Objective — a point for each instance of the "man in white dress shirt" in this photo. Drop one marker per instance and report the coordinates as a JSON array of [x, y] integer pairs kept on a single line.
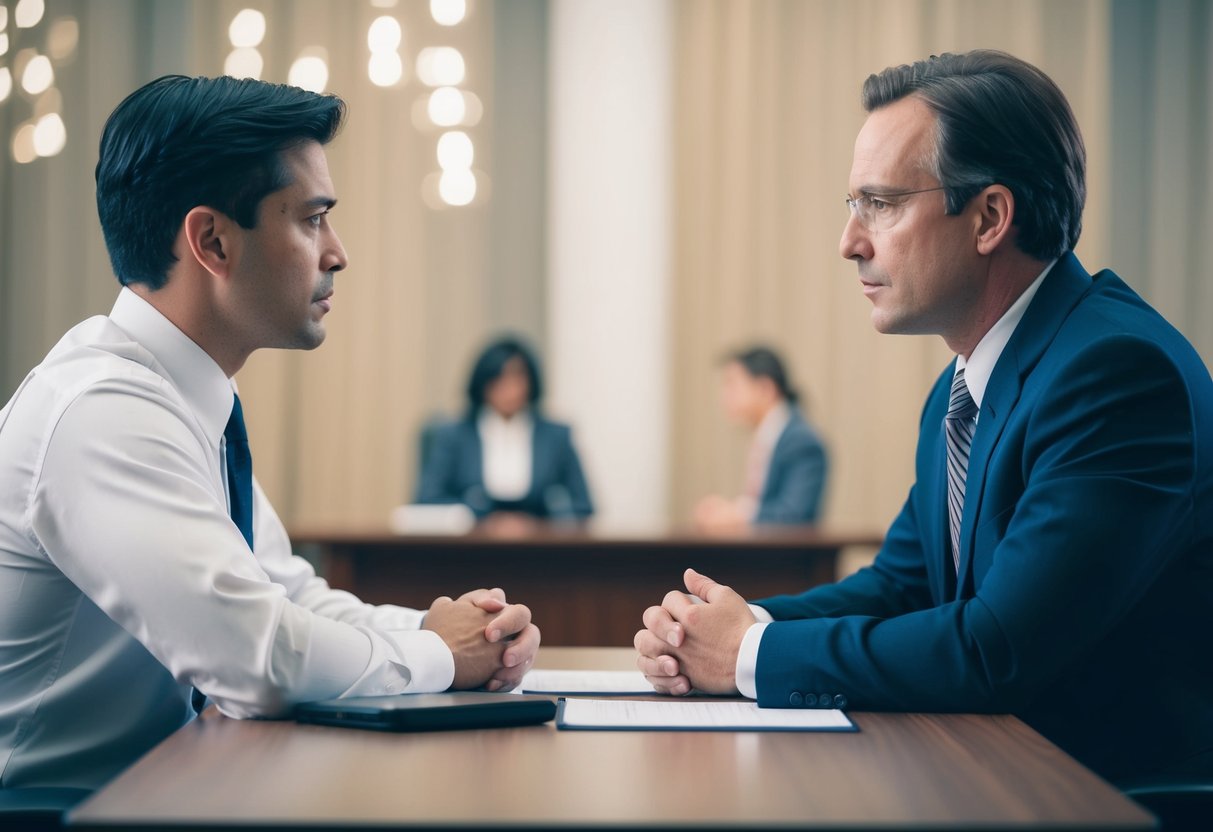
[[127, 589]]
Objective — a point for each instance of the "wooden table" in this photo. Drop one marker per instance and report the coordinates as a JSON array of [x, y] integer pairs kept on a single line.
[[584, 589], [901, 771]]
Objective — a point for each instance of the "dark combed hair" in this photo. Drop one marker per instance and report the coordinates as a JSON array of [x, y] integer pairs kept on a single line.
[[764, 362], [491, 363], [1000, 120], [177, 143]]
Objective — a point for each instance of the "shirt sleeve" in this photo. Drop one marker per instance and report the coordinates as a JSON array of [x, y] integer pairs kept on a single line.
[[747, 658], [304, 587], [129, 505]]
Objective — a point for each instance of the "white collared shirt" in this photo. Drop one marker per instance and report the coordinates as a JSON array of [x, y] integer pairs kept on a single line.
[[980, 364], [978, 369], [506, 453], [124, 582]]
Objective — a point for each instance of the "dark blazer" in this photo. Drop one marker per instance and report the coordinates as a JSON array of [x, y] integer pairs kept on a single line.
[[452, 472], [796, 476], [1084, 602]]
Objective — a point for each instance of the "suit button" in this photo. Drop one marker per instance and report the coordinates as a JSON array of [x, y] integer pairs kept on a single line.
[[825, 700], [840, 701], [796, 699], [810, 700]]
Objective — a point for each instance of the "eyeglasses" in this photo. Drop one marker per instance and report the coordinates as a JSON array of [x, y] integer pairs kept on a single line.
[[876, 213]]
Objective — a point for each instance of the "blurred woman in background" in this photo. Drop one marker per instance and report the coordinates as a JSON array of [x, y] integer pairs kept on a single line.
[[786, 467], [504, 460]]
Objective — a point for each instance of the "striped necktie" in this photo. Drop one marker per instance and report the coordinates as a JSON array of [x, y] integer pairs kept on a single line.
[[959, 426]]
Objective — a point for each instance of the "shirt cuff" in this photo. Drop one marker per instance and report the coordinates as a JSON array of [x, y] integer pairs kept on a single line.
[[430, 664], [761, 613], [747, 659], [404, 661]]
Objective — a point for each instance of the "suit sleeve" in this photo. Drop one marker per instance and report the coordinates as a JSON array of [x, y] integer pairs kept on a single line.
[[895, 584], [801, 483], [574, 480], [434, 485], [1110, 438]]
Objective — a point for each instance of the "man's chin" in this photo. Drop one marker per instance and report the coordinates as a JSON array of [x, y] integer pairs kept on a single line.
[[310, 338], [883, 322]]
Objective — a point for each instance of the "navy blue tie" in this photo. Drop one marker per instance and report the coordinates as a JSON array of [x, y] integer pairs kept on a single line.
[[239, 472], [239, 491]]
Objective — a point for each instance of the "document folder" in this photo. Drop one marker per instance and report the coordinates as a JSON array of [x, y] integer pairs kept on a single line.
[[681, 715]]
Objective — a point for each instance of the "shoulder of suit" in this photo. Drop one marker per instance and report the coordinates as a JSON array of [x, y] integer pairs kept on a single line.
[[1114, 318], [550, 424], [799, 431], [454, 430]]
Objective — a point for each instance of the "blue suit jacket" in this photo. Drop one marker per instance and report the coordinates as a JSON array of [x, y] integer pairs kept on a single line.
[[1084, 601], [796, 476], [452, 472]]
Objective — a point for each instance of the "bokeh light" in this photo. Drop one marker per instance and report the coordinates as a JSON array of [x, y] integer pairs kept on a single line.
[[310, 70], [244, 62], [448, 12], [457, 187], [38, 75], [28, 13], [247, 28], [63, 37], [23, 144], [384, 34], [446, 107], [440, 66], [50, 135], [385, 69], [455, 150]]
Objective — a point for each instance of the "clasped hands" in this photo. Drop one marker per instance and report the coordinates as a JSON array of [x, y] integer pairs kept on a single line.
[[493, 642], [690, 644]]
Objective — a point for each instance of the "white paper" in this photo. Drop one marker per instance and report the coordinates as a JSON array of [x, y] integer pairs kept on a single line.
[[699, 716], [586, 681]]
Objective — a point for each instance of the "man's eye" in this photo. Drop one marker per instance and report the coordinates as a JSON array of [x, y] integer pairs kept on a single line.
[[877, 205], [315, 219]]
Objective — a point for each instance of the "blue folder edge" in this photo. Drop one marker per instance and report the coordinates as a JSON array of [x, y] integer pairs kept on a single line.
[[562, 726]]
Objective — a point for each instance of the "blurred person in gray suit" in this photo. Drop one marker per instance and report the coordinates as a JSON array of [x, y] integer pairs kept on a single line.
[[787, 464]]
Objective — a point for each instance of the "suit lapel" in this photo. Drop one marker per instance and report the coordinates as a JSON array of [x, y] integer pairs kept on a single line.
[[541, 455], [475, 459], [773, 460], [931, 489], [940, 567], [1057, 296]]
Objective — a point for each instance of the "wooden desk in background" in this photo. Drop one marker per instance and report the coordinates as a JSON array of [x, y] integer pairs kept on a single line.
[[900, 771], [584, 589]]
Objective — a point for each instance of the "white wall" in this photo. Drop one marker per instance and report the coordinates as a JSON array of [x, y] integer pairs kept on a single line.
[[609, 247]]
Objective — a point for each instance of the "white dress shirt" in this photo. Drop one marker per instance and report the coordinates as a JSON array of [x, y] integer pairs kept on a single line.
[[978, 369], [506, 453], [124, 582]]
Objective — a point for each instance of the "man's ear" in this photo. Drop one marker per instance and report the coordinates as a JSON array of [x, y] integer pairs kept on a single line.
[[210, 239], [996, 216]]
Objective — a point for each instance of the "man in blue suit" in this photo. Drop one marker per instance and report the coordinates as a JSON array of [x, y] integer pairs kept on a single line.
[[1054, 558]]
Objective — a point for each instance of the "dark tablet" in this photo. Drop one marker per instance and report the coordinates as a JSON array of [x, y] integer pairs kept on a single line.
[[429, 711]]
